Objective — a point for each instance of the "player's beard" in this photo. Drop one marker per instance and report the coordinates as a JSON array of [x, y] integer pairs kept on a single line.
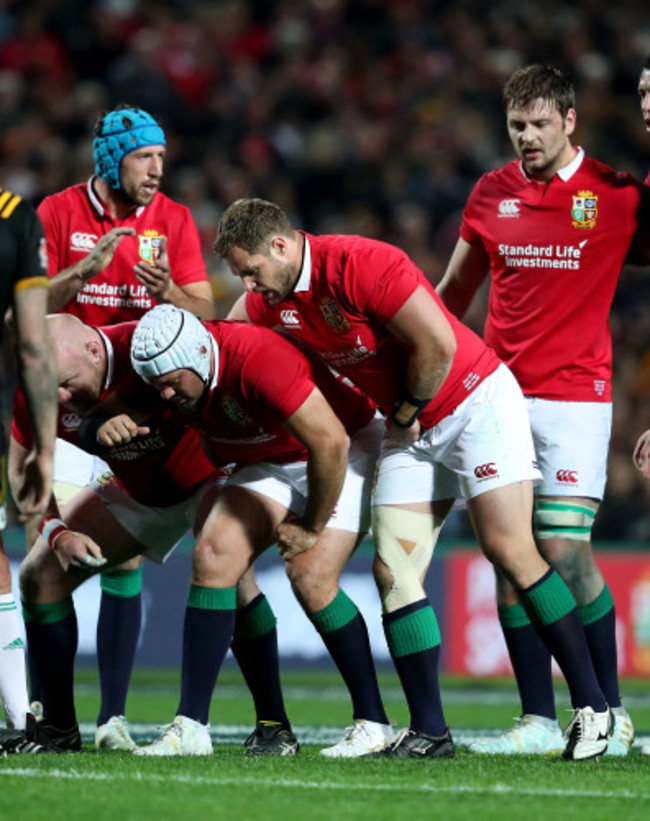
[[284, 283], [136, 196]]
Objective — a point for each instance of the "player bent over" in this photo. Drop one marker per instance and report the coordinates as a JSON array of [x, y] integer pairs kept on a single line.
[[257, 401], [457, 426], [144, 508]]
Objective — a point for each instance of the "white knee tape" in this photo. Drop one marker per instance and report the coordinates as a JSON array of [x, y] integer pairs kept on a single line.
[[405, 541], [562, 520]]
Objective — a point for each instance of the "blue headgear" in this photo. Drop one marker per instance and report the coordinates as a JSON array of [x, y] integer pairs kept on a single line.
[[122, 132]]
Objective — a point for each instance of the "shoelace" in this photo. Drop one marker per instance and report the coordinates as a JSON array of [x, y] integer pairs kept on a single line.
[[579, 720], [169, 729], [401, 735]]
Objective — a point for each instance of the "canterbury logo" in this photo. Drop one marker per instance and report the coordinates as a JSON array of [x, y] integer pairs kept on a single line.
[[70, 421], [568, 477], [84, 242], [509, 208], [485, 471], [290, 316]]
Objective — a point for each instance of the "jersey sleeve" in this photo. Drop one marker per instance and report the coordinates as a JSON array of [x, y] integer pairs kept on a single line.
[[51, 221], [279, 377], [184, 250], [379, 282], [468, 226]]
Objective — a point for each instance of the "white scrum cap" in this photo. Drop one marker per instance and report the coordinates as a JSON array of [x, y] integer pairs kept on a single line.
[[168, 338]]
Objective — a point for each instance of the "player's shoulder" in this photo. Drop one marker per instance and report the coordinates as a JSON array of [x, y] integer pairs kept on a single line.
[[503, 176], [605, 173], [59, 199], [345, 248], [119, 332], [166, 206], [16, 212]]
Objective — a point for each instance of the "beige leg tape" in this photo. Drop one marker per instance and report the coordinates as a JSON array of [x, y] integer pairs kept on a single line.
[[405, 541]]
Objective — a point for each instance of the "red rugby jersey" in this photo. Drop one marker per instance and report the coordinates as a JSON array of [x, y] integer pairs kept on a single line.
[[262, 380], [556, 251], [349, 289], [74, 219], [160, 469]]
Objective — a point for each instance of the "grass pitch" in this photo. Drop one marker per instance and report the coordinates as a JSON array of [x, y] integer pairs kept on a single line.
[[90, 785]]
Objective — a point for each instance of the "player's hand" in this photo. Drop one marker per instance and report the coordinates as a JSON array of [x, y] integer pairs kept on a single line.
[[103, 252], [77, 552], [33, 497], [293, 538], [641, 457], [120, 430], [156, 278]]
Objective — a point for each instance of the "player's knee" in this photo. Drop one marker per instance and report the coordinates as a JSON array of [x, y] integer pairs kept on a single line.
[[314, 582], [5, 575], [213, 564], [30, 577], [405, 541]]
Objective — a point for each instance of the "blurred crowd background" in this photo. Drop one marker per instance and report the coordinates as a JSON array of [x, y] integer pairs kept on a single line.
[[357, 116]]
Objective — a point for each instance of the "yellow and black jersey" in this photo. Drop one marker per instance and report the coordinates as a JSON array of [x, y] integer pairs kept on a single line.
[[23, 262]]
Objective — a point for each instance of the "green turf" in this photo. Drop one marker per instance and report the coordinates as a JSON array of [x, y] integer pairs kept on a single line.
[[97, 786]]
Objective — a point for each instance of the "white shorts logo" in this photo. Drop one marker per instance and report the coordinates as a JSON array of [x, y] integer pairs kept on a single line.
[[509, 208], [83, 242], [289, 316], [70, 421]]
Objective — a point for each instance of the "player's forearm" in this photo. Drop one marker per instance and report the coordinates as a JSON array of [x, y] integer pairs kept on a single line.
[[37, 376], [427, 369], [199, 306], [325, 475], [65, 285]]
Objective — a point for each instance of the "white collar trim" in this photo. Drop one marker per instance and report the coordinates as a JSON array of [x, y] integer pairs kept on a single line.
[[110, 359], [215, 375], [566, 172], [304, 279], [97, 203]]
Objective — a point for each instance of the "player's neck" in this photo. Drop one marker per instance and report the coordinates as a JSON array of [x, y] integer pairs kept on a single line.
[[115, 204], [567, 156]]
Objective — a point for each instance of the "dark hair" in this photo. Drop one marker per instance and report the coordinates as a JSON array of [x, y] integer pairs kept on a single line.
[[538, 82], [646, 63], [250, 224]]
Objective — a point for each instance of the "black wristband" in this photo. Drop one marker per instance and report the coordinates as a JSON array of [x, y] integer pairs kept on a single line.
[[407, 409], [88, 433]]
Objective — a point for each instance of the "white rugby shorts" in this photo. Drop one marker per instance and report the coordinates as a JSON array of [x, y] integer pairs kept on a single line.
[[287, 483], [572, 442], [485, 443], [74, 468], [158, 528]]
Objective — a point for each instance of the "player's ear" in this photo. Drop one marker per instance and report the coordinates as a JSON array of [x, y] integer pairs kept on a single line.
[[279, 244], [94, 347]]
